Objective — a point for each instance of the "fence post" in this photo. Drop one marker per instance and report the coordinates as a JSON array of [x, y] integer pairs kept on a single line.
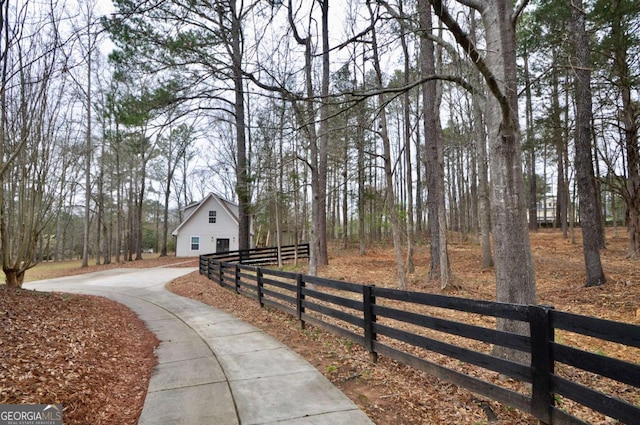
[[299, 299], [220, 273], [237, 278], [542, 365], [260, 285], [209, 271], [369, 300], [244, 255]]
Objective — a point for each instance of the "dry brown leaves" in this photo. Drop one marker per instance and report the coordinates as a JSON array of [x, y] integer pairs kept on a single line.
[[388, 392], [60, 348], [89, 353], [391, 393]]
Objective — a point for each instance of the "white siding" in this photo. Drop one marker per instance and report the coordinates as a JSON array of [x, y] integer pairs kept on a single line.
[[198, 224]]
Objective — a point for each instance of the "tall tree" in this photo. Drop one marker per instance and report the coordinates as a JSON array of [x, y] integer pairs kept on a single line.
[[90, 48], [589, 205], [543, 35], [388, 170], [173, 148], [230, 22], [323, 152], [407, 130], [30, 93], [618, 20], [515, 274], [484, 204], [204, 43], [306, 119], [434, 153]]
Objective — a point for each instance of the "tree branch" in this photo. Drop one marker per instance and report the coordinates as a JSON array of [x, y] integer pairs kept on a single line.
[[296, 35], [474, 4], [452, 78], [465, 42], [518, 11]]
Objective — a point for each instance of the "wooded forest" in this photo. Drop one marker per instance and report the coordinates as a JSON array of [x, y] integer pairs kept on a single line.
[[354, 122]]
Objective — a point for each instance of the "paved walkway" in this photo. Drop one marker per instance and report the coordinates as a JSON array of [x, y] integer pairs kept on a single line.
[[213, 368]]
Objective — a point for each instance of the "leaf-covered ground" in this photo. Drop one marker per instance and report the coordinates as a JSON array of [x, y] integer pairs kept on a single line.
[[58, 348], [391, 393], [89, 353]]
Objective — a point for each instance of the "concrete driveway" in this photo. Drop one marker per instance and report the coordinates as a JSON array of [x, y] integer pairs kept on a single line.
[[212, 367]]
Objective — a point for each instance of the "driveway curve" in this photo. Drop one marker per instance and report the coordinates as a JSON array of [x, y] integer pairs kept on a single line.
[[212, 367]]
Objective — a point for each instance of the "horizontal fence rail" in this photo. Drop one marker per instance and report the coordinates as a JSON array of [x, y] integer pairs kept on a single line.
[[416, 329], [258, 256]]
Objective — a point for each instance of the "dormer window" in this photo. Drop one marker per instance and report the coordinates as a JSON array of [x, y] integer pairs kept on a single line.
[[212, 217]]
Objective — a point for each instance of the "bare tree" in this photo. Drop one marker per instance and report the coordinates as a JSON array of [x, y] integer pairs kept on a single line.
[[173, 147], [484, 204], [406, 111], [384, 135], [323, 147], [29, 103], [434, 152], [85, 39]]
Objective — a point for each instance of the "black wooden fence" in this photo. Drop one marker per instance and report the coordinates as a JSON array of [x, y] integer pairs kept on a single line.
[[383, 319], [259, 256]]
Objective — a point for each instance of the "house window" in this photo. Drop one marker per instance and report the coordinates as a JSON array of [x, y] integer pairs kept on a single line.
[[195, 243], [212, 216]]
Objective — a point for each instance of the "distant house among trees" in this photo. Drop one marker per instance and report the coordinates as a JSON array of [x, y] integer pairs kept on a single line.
[[210, 225], [613, 210]]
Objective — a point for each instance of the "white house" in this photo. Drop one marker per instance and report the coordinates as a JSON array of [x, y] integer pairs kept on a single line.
[[210, 225]]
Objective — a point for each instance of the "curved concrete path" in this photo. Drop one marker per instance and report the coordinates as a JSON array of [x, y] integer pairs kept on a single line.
[[212, 367]]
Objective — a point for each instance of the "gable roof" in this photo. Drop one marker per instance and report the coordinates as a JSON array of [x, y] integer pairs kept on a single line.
[[228, 206]]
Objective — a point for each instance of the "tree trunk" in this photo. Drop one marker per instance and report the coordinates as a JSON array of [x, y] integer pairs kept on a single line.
[[384, 134], [419, 166], [118, 183], [323, 153], [515, 277], [345, 196], [434, 154], [14, 278], [533, 209], [631, 189], [562, 198], [165, 219], [484, 204], [243, 189], [318, 205], [88, 157], [308, 123], [100, 206], [406, 111], [140, 205], [361, 189], [589, 218]]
